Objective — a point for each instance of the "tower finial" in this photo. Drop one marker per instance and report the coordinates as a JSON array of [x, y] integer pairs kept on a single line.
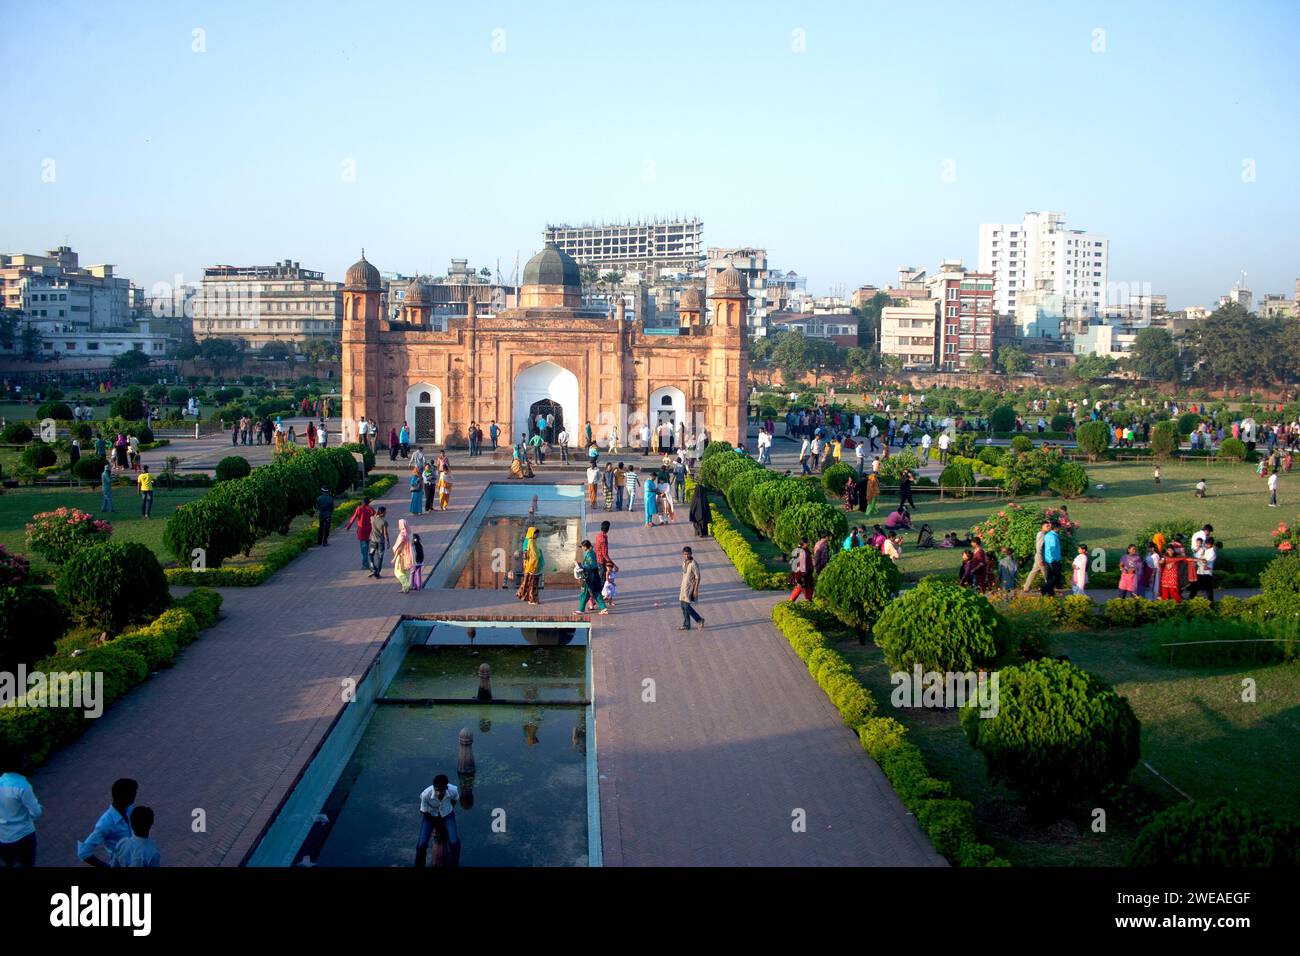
[[363, 252]]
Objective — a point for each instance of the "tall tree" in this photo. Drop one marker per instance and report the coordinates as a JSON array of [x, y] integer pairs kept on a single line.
[[1155, 355], [1233, 345], [1013, 359]]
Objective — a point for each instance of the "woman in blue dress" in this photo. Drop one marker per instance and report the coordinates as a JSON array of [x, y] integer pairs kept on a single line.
[[651, 495], [417, 493]]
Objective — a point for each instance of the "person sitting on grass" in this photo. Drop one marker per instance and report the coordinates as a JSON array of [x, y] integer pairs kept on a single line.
[[925, 539], [1201, 488]]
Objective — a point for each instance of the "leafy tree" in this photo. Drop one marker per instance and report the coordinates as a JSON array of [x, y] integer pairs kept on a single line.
[[1155, 355], [859, 361], [1093, 366], [1013, 359], [133, 361], [792, 355], [277, 351], [869, 320], [1093, 438], [219, 353], [1164, 438], [977, 362], [1234, 345]]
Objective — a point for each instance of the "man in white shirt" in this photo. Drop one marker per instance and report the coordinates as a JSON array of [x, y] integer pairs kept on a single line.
[[944, 441], [925, 447], [645, 438], [138, 849], [1206, 555], [563, 440], [860, 450], [1198, 539], [19, 810], [438, 813], [1272, 490]]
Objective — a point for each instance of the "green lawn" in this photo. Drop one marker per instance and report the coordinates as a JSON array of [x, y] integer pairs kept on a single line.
[[17, 505], [1196, 733], [1237, 506]]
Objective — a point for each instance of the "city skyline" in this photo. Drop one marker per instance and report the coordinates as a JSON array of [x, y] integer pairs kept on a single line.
[[1126, 121]]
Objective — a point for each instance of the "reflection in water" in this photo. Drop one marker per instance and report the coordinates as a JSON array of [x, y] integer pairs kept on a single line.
[[492, 553]]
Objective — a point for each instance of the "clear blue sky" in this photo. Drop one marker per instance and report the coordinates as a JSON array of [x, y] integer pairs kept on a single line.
[[168, 160]]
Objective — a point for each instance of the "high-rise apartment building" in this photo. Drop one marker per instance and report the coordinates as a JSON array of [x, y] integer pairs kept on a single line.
[[260, 304], [966, 306], [674, 245], [56, 293], [1040, 254]]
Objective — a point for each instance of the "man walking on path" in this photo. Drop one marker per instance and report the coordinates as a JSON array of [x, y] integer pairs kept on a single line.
[[603, 560], [362, 518], [943, 448], [378, 540], [325, 511], [1038, 568], [689, 592], [1272, 490], [1051, 562]]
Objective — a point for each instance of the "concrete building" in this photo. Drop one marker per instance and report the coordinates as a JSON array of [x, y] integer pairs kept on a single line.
[[863, 295], [1111, 341], [447, 296], [966, 303], [548, 356], [1040, 254], [56, 292], [676, 245], [1277, 307], [910, 332], [259, 304], [1040, 315], [1240, 294], [752, 264], [840, 328]]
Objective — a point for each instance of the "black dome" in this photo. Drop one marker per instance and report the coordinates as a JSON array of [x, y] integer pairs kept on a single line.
[[552, 267]]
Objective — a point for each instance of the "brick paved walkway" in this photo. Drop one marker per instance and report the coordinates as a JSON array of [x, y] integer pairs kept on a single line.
[[740, 736]]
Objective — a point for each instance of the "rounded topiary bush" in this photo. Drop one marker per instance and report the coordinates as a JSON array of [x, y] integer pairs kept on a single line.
[[129, 406], [40, 455], [1060, 422], [83, 432], [809, 521], [1070, 480], [1003, 418], [742, 488], [1217, 832], [1187, 422], [1233, 448], [112, 584], [715, 448], [836, 477], [210, 525], [233, 466], [178, 395], [1164, 439], [1022, 443], [941, 626], [771, 498], [16, 433], [1016, 527], [727, 469], [1059, 734], [957, 477], [1280, 584], [61, 411], [892, 468], [89, 467], [31, 620], [856, 586], [1093, 438]]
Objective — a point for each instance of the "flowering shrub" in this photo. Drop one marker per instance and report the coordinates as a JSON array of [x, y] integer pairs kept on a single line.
[[58, 535], [13, 568], [1016, 527], [1286, 537]]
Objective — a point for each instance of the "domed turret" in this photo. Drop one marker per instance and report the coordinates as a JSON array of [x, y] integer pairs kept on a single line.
[[730, 283], [552, 279], [362, 276], [416, 294]]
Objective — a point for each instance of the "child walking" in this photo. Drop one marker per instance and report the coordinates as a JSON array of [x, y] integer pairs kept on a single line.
[[1079, 576], [609, 590]]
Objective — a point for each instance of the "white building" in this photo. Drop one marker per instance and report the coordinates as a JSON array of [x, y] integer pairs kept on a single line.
[[1041, 254], [676, 245], [1110, 341], [260, 304], [910, 331], [753, 263]]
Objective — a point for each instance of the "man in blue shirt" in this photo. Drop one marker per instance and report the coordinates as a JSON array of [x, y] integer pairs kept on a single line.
[[111, 828], [1051, 559], [19, 809]]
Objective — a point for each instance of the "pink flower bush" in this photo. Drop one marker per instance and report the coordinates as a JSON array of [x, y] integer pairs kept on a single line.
[[58, 535]]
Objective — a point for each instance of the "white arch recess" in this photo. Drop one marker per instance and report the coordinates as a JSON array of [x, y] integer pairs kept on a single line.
[[425, 395], [675, 406], [545, 380]]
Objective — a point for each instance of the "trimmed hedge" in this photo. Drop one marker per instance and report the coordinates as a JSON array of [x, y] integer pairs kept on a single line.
[[949, 823], [809, 520], [1060, 734], [941, 626], [1217, 832], [957, 476], [1069, 481], [742, 489], [1280, 584], [771, 498], [112, 584], [1233, 448], [857, 585], [836, 477], [748, 564], [233, 466], [251, 575], [35, 732]]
